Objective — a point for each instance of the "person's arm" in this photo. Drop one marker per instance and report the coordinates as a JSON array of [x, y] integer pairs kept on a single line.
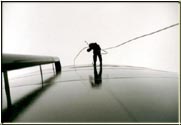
[[90, 48]]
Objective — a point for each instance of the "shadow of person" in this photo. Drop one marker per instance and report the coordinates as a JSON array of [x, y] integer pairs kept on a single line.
[[97, 77]]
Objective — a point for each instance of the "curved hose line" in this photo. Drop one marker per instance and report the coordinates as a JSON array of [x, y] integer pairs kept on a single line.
[[143, 36]]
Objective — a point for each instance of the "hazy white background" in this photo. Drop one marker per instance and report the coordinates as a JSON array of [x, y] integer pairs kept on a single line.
[[60, 29]]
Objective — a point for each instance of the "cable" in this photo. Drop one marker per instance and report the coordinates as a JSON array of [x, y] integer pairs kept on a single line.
[[143, 36], [79, 54], [165, 28], [105, 52]]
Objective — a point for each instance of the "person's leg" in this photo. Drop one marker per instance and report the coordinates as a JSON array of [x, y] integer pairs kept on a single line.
[[100, 59], [95, 59]]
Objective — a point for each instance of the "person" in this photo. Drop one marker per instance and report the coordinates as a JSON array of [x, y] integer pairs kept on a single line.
[[96, 52]]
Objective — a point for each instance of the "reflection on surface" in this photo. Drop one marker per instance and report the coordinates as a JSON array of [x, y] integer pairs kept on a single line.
[[97, 77]]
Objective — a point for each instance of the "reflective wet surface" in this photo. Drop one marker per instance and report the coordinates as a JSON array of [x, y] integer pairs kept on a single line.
[[117, 94]]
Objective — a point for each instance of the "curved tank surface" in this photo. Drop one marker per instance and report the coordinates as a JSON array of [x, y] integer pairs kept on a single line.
[[109, 94]]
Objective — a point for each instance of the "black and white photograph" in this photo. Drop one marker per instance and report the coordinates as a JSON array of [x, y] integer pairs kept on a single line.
[[90, 62]]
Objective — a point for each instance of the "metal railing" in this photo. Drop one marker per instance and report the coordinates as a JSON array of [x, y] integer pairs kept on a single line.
[[15, 61]]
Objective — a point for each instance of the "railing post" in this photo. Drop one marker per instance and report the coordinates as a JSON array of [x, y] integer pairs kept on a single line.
[[7, 89], [53, 68], [58, 67], [41, 75]]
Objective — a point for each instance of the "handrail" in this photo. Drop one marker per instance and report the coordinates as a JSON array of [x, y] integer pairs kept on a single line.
[[16, 61]]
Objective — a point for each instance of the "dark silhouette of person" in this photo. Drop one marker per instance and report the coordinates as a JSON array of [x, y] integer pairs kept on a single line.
[[96, 52], [97, 78]]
